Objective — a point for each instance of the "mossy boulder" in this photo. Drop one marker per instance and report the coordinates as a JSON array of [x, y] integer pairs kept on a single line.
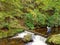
[[54, 39], [27, 38]]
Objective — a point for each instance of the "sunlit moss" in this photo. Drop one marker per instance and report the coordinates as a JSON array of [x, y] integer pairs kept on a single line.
[[55, 39]]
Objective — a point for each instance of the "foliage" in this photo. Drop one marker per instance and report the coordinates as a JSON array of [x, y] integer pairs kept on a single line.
[[41, 12], [29, 21], [54, 20], [9, 33], [40, 18]]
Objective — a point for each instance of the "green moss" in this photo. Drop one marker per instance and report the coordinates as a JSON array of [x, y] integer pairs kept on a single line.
[[55, 39], [27, 38]]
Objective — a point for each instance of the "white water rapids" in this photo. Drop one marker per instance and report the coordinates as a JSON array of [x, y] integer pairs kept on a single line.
[[37, 39]]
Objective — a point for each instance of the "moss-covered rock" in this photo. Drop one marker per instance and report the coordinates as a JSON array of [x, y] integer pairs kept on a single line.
[[27, 38], [54, 39]]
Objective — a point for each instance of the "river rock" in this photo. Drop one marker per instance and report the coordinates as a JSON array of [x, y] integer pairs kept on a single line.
[[54, 39]]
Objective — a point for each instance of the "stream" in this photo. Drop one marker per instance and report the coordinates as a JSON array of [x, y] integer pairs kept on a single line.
[[37, 39]]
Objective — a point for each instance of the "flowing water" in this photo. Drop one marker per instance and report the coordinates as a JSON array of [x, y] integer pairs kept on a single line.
[[37, 39]]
